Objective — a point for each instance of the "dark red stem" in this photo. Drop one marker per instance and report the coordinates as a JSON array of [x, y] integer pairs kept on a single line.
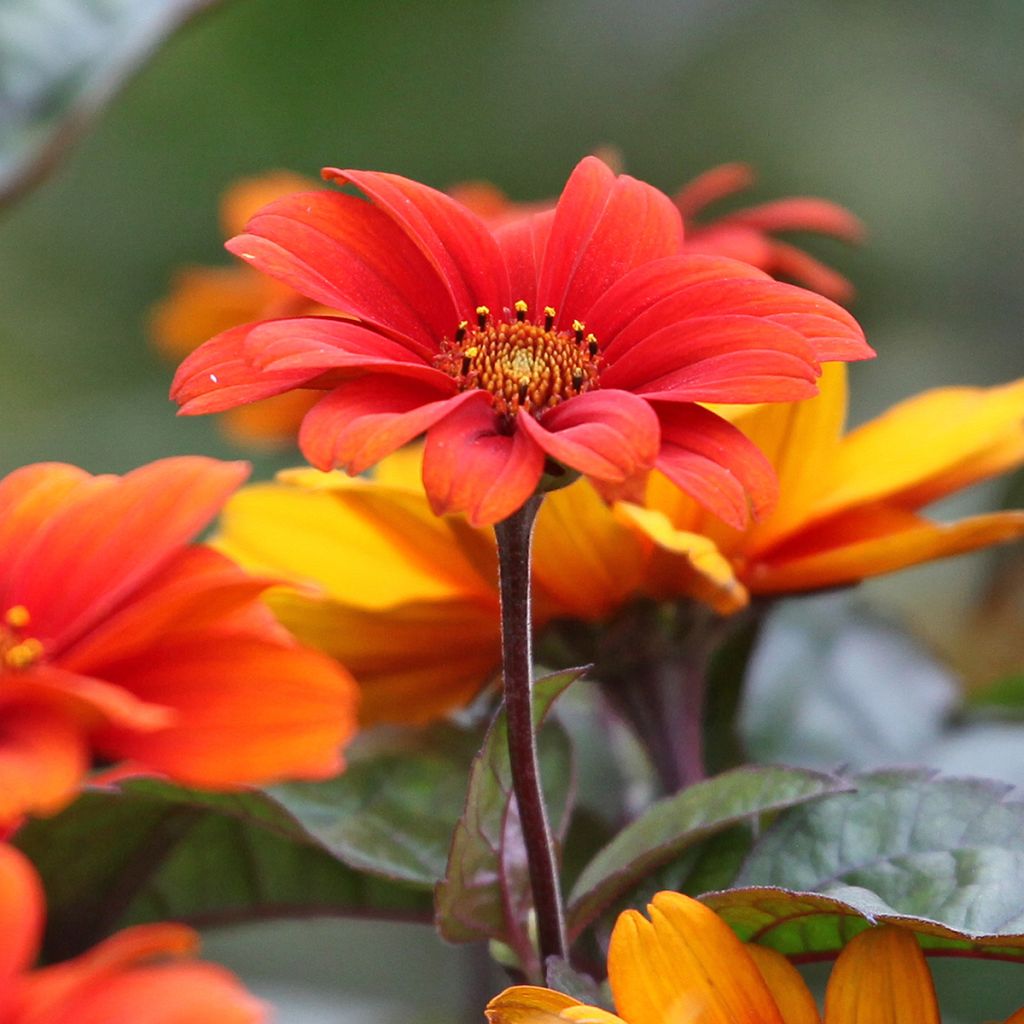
[[514, 537]]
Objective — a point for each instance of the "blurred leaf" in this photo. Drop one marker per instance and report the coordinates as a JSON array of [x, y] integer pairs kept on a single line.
[[561, 976], [147, 850], [947, 851], [1003, 698], [486, 890], [678, 822], [808, 925], [822, 689], [393, 810], [61, 61]]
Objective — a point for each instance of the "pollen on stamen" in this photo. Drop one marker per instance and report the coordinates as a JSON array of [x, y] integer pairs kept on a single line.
[[17, 616], [549, 317], [521, 309], [24, 654]]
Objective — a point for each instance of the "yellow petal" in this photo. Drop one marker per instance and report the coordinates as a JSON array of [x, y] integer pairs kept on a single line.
[[586, 561], [526, 1004], [403, 469], [871, 541], [801, 440], [791, 993], [685, 964], [881, 978], [413, 663], [685, 564], [926, 446], [362, 544]]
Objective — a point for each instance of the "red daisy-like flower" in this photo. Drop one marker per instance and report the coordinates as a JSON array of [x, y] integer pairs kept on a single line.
[[581, 336]]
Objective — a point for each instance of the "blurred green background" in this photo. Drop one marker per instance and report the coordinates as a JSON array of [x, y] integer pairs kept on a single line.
[[911, 114]]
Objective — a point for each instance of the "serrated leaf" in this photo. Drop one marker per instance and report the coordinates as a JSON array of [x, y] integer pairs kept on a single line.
[[676, 823], [486, 893], [809, 926], [147, 850], [946, 852], [392, 811], [60, 63]]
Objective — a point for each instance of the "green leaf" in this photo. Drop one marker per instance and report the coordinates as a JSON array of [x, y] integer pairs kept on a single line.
[[1003, 698], [146, 850], [947, 853], [392, 811], [676, 823], [486, 893], [60, 63], [809, 926]]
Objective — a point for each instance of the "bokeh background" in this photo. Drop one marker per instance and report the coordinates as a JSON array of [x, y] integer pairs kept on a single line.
[[909, 113]]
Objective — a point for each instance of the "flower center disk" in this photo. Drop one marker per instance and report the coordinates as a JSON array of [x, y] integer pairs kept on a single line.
[[524, 365]]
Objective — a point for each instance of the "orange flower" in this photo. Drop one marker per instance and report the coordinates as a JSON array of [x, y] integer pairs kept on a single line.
[[119, 638], [207, 300], [685, 966], [142, 975], [848, 503]]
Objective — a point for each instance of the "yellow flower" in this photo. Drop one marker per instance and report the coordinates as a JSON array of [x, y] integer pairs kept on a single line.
[[848, 503], [686, 966]]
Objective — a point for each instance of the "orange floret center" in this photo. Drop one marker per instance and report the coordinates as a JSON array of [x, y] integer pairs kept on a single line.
[[17, 650], [524, 365]]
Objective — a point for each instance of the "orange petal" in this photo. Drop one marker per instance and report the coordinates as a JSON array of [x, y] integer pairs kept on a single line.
[[246, 196], [585, 560], [685, 964], [414, 662], [271, 423], [21, 914], [922, 448], [43, 758], [527, 1004], [881, 978], [791, 993], [247, 710], [871, 541], [107, 537]]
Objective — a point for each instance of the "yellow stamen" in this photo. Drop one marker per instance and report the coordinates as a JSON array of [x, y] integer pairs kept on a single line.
[[24, 654], [17, 617]]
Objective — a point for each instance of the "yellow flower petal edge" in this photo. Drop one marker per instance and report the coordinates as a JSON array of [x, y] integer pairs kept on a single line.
[[683, 964], [881, 977], [791, 993], [527, 1004]]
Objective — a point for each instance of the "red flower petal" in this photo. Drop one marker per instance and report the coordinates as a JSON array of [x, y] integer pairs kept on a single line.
[[363, 420], [604, 227], [454, 240], [522, 243], [469, 466], [718, 358], [610, 435], [799, 213], [218, 375], [646, 286], [714, 184], [714, 463], [351, 256], [323, 345], [75, 567]]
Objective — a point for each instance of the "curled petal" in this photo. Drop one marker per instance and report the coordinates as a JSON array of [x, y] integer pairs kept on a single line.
[[607, 434], [363, 420], [715, 463], [452, 238], [604, 227], [219, 375], [714, 184], [350, 256], [526, 1004], [470, 466], [685, 964]]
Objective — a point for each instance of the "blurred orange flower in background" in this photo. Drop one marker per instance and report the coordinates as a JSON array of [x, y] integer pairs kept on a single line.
[[142, 975], [120, 639], [685, 966]]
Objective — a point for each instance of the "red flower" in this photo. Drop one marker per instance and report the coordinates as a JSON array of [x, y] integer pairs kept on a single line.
[[119, 638], [141, 975], [581, 336]]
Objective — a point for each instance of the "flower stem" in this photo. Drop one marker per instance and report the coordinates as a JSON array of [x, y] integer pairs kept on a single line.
[[514, 537]]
